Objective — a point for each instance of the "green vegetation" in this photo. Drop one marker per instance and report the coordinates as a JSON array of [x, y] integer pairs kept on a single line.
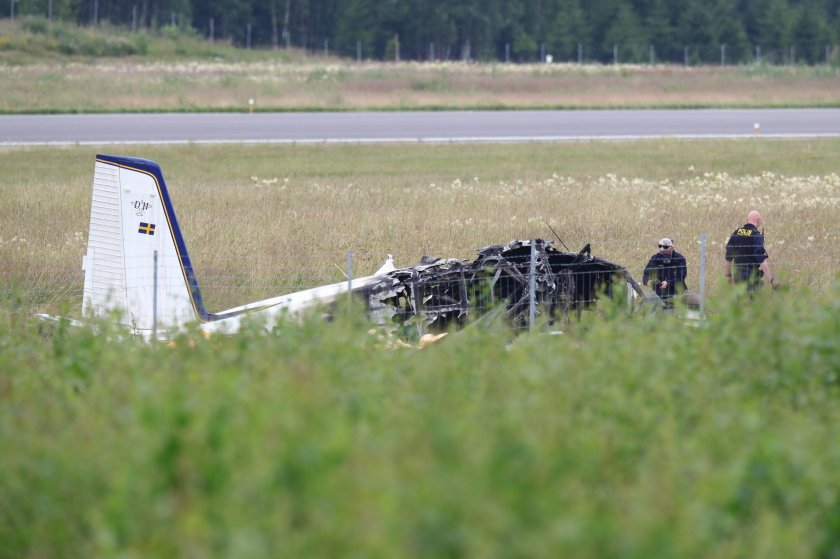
[[621, 438], [141, 84], [59, 68], [36, 40], [699, 31]]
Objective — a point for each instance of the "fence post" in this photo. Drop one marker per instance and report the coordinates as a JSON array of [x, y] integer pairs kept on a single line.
[[507, 52], [580, 54], [248, 40], [532, 286], [418, 302], [154, 295], [651, 54], [702, 271], [212, 29], [685, 56], [723, 55], [349, 280], [758, 54], [49, 16], [134, 18], [358, 51], [615, 54]]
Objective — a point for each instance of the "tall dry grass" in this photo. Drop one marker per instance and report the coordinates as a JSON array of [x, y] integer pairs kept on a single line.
[[263, 220], [280, 84]]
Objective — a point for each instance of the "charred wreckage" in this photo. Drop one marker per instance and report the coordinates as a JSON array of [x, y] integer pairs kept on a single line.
[[499, 284], [138, 269]]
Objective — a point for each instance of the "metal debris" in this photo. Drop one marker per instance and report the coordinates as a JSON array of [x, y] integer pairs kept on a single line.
[[437, 293]]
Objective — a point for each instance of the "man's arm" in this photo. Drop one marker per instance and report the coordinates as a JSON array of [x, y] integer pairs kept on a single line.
[[730, 254], [730, 247], [761, 257], [768, 275], [646, 273]]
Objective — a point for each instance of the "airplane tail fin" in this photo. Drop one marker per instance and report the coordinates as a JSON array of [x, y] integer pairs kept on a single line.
[[137, 262]]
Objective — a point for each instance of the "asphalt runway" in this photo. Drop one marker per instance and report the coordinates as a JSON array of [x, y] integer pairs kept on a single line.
[[444, 126]]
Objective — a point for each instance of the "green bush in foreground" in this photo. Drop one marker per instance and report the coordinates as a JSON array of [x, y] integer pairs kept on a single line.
[[624, 437]]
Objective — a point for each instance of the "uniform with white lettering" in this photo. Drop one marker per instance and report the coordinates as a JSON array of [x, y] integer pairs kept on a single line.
[[745, 249]]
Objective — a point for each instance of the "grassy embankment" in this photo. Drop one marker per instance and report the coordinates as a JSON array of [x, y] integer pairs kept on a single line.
[[627, 438], [264, 220], [60, 68]]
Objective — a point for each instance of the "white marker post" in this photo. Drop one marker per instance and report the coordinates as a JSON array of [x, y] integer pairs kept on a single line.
[[349, 281], [251, 105], [532, 287], [756, 129]]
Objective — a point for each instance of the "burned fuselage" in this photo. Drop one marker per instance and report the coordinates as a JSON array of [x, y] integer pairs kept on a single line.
[[503, 280]]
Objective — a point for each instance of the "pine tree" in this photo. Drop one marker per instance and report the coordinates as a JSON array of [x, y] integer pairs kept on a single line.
[[626, 35], [809, 35], [601, 14], [697, 34], [569, 29], [773, 27], [662, 33], [356, 25], [489, 26], [730, 32]]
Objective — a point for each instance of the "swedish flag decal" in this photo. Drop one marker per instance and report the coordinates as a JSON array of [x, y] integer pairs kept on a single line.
[[146, 228]]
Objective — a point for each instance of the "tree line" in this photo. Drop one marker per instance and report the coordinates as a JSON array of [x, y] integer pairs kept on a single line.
[[636, 31]]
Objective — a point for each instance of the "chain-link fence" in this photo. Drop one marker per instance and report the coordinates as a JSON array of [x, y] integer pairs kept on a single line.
[[513, 283]]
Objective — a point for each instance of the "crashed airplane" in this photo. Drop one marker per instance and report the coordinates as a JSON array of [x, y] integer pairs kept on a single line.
[[437, 293], [137, 268]]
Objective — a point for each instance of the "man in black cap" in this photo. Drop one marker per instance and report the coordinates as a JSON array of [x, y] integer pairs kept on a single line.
[[667, 270], [746, 259]]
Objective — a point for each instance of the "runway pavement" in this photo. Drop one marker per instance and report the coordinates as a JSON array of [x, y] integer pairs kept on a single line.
[[444, 126]]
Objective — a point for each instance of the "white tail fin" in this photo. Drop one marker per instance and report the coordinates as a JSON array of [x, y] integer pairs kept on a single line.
[[132, 223]]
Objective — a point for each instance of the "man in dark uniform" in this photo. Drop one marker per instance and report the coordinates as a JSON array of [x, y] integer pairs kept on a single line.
[[746, 259], [667, 270]]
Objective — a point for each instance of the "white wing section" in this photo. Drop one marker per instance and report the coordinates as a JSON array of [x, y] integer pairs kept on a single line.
[[268, 311], [129, 226]]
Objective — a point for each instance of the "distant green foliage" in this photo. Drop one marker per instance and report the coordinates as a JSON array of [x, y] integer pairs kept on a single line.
[[68, 39], [36, 24], [623, 437], [786, 30]]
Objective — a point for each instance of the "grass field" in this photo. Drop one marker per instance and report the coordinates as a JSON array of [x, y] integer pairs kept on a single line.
[[625, 437], [263, 220], [60, 68]]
